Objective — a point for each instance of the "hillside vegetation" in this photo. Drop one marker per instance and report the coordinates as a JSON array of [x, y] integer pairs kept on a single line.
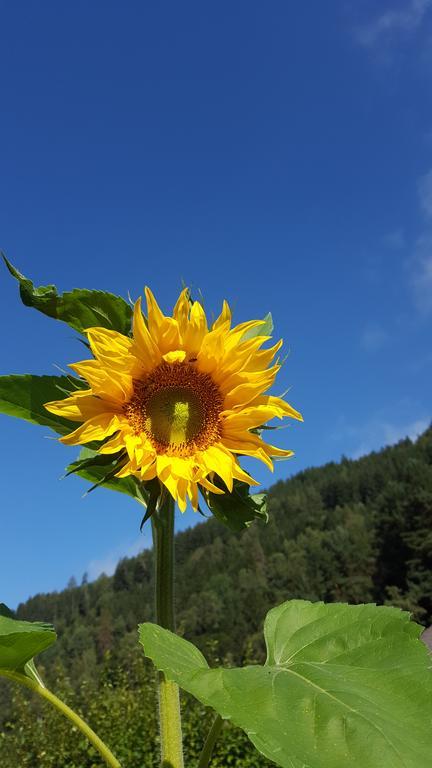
[[356, 531]]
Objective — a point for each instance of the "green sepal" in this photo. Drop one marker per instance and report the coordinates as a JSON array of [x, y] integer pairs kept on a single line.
[[98, 472], [80, 308], [266, 329], [95, 460], [23, 396], [104, 480], [20, 642], [153, 488], [238, 509], [343, 685]]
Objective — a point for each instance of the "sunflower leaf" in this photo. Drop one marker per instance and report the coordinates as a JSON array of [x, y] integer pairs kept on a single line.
[[96, 473], [24, 396], [80, 308], [343, 685], [20, 641], [238, 509]]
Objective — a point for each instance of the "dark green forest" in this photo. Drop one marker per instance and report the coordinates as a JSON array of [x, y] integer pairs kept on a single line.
[[355, 531]]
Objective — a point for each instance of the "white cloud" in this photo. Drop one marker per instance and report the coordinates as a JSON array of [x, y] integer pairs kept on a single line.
[[393, 22], [108, 562], [373, 338], [378, 434]]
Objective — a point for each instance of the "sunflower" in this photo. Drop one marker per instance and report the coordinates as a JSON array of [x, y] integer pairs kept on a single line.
[[178, 400]]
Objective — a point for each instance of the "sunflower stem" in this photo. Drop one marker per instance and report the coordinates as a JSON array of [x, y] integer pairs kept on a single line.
[[76, 720], [169, 699]]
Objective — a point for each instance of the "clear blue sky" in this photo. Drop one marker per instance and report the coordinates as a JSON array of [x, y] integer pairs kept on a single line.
[[276, 154]]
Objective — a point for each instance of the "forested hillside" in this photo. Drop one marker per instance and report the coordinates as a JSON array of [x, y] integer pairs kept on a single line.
[[354, 531]]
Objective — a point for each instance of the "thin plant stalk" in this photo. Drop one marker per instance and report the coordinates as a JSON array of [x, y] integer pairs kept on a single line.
[[67, 712], [210, 742], [169, 698]]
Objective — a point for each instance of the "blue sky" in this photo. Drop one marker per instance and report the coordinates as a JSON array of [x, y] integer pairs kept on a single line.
[[276, 154]]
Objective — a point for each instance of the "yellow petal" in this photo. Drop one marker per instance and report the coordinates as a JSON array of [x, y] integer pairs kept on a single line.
[[108, 383], [224, 318], [258, 361], [193, 495], [128, 469], [175, 357], [237, 333], [205, 482], [248, 418], [171, 483], [243, 393], [79, 407], [163, 466], [149, 473], [217, 459], [182, 489], [114, 445], [280, 407], [237, 361], [143, 345], [212, 350], [248, 377], [144, 451], [245, 477], [147, 468], [110, 347], [196, 329], [252, 445], [182, 467], [181, 310], [275, 452], [97, 428], [246, 444], [164, 330]]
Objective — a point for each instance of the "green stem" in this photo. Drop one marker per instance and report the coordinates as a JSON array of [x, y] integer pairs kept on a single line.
[[169, 698], [210, 742], [163, 542], [67, 712]]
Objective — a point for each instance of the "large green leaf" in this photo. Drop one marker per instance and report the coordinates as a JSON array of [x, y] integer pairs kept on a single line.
[[343, 686], [20, 641], [238, 509], [79, 308], [24, 396], [97, 469]]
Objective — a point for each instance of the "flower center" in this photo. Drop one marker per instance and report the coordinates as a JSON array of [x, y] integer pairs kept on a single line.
[[174, 416], [177, 407]]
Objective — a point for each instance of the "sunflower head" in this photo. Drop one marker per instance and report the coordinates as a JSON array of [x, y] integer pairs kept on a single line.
[[178, 400]]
